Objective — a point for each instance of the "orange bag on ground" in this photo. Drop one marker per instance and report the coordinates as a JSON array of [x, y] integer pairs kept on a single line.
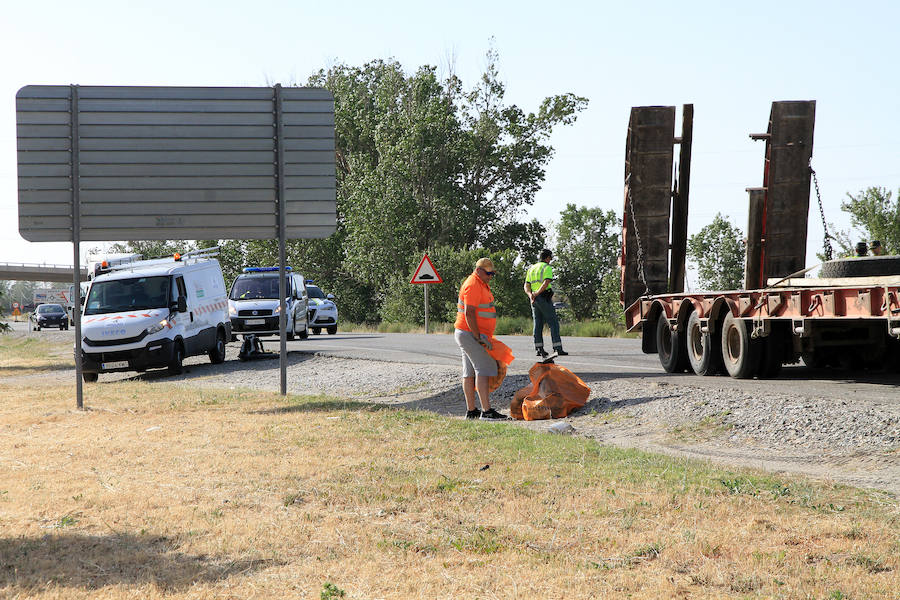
[[535, 410], [555, 391]]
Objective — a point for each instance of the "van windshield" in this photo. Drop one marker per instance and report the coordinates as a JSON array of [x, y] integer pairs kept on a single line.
[[121, 295], [256, 288]]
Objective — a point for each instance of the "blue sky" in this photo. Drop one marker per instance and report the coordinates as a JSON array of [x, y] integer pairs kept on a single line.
[[731, 61]]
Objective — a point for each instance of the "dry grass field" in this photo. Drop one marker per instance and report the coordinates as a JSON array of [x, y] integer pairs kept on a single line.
[[161, 491]]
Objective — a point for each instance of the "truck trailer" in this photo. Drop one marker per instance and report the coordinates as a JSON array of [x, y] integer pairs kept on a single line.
[[846, 316]]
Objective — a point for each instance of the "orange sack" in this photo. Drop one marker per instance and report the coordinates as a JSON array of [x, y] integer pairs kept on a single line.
[[504, 356], [555, 392]]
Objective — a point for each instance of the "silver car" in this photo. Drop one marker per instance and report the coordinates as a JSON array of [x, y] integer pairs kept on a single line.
[[323, 312]]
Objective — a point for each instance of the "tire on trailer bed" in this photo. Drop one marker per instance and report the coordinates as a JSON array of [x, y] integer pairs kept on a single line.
[[862, 266]]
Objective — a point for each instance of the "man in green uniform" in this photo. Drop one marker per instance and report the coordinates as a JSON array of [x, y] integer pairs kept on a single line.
[[538, 282]]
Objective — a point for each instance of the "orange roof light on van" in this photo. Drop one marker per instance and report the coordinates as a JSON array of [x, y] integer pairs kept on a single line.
[[177, 257]]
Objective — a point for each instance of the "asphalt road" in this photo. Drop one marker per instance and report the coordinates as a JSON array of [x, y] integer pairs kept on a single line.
[[601, 357]]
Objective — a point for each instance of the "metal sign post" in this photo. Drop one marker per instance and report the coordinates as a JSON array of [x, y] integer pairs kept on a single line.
[[76, 242], [426, 274]]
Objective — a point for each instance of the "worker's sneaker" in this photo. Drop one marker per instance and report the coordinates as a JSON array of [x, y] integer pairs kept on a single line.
[[493, 415], [473, 414], [561, 352], [542, 353]]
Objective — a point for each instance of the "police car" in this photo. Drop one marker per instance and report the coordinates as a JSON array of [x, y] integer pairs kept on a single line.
[[254, 308], [323, 312]]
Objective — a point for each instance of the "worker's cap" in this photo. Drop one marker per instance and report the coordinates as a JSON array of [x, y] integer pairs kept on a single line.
[[861, 247], [875, 244], [485, 263]]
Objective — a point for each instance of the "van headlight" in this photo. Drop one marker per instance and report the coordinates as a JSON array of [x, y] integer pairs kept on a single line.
[[158, 327], [232, 310], [277, 310]]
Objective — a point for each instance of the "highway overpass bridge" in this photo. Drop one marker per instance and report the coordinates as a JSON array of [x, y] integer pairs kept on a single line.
[[39, 272]]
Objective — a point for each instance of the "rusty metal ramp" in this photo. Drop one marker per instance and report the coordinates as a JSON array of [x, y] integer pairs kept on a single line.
[[777, 227]]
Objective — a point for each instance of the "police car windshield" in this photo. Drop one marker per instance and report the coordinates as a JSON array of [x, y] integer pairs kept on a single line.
[[121, 295], [314, 292], [256, 287], [50, 308]]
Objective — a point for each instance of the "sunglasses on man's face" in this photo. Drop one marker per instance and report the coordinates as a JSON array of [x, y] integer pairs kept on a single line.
[[488, 273]]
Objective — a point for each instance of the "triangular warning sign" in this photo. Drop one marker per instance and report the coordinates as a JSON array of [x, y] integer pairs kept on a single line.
[[426, 272]]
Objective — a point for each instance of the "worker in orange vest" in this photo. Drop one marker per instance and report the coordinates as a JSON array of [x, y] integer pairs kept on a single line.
[[476, 320]]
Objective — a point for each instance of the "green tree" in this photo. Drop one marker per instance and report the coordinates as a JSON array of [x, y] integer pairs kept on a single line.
[[717, 251], [527, 239], [153, 248], [586, 260], [424, 163], [877, 215]]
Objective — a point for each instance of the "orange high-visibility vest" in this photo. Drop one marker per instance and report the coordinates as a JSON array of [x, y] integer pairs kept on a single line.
[[475, 292]]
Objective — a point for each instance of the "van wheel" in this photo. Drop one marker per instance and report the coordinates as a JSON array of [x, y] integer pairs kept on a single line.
[[175, 365], [217, 352], [332, 330], [90, 377]]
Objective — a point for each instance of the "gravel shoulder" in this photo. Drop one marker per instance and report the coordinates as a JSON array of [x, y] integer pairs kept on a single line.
[[851, 441]]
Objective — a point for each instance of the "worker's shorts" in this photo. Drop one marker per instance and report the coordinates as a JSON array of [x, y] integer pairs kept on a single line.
[[475, 359]]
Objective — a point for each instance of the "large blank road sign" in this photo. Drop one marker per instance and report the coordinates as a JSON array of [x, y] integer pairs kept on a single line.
[[149, 163]]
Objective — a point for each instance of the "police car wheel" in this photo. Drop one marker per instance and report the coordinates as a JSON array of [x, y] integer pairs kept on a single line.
[[332, 330], [305, 333]]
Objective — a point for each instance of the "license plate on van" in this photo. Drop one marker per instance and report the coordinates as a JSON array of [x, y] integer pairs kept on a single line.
[[255, 322], [116, 364]]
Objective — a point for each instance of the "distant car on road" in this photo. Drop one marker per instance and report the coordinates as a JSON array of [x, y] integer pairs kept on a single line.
[[49, 315], [323, 312]]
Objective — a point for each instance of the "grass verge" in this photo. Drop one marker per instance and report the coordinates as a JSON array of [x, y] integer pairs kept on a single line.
[[161, 491]]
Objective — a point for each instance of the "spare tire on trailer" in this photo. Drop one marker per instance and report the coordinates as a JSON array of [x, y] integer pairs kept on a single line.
[[861, 266]]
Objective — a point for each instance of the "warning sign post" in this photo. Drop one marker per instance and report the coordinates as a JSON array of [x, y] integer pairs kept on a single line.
[[425, 274]]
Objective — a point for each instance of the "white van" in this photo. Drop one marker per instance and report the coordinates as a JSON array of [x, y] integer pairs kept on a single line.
[[254, 307], [154, 313]]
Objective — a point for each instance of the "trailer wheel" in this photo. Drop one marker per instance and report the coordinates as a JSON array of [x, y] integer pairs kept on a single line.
[[670, 347], [704, 350], [740, 353], [772, 355], [813, 359], [90, 377], [862, 266]]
